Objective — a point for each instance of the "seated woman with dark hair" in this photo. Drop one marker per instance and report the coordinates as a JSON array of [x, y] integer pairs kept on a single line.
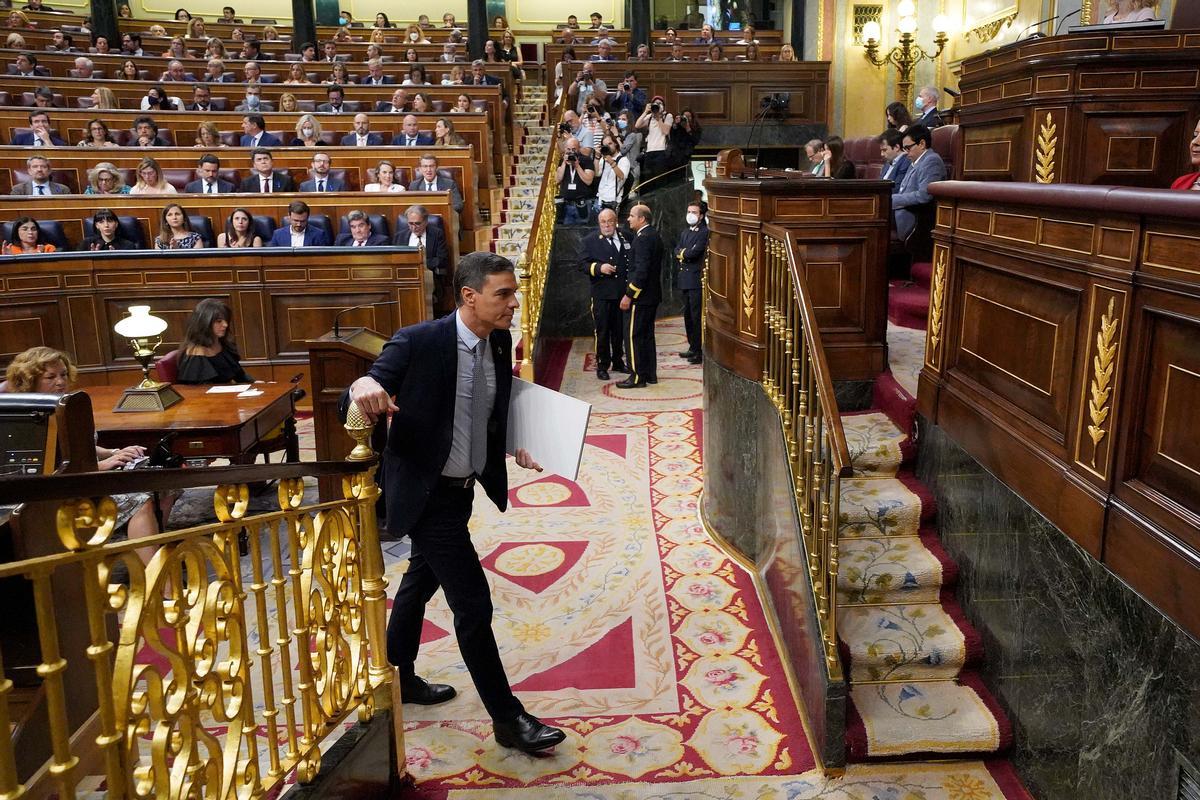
[[1191, 181], [25, 239], [208, 353], [898, 116], [107, 234], [836, 163]]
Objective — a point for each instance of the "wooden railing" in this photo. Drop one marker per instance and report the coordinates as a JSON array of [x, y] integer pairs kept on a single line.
[[214, 670], [797, 379]]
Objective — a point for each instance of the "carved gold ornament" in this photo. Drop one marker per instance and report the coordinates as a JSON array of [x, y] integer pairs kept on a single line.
[[1102, 372], [936, 302], [990, 30], [748, 264], [1047, 150]]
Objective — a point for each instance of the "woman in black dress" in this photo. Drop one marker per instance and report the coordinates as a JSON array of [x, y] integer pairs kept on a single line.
[[208, 354]]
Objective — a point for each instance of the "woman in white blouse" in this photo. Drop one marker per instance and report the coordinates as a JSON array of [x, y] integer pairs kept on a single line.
[[385, 174]]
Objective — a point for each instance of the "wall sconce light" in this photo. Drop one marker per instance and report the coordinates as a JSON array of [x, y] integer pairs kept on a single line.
[[907, 54]]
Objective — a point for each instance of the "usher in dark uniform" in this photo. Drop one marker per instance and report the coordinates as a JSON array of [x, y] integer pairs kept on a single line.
[[689, 253], [645, 290], [606, 295]]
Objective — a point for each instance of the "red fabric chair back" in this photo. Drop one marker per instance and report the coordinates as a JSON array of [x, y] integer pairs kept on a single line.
[[167, 367]]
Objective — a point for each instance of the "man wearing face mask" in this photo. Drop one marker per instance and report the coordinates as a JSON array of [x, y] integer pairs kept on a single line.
[[254, 102], [927, 106], [689, 253]]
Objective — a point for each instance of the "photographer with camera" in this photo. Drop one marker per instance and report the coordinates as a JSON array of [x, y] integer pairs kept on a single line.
[[576, 176], [612, 169], [657, 123], [586, 86], [685, 135], [572, 126], [629, 97]]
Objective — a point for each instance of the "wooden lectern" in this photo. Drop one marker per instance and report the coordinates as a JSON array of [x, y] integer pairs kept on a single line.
[[335, 362]]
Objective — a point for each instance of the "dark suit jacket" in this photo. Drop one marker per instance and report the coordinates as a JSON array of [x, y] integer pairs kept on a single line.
[[266, 140], [645, 268], [197, 187], [374, 240], [419, 366], [26, 188], [899, 170], [597, 251], [423, 140], [26, 139], [689, 254], [437, 255], [373, 140], [281, 182], [365, 80], [443, 184], [313, 237], [331, 185], [386, 107], [931, 119]]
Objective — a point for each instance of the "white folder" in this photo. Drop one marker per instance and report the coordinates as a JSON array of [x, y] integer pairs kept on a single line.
[[548, 424]]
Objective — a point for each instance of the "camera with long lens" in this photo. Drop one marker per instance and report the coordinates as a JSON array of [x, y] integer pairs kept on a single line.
[[626, 86]]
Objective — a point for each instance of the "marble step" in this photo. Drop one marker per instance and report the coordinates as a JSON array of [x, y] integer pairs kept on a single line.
[[895, 569], [905, 642]]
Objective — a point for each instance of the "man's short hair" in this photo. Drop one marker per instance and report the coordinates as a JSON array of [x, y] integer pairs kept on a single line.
[[356, 216], [44, 91], [631, 74], [146, 120], [307, 45], [419, 209], [252, 43], [41, 112], [198, 86], [474, 268], [891, 137], [33, 62], [334, 88], [39, 157], [931, 91], [260, 151], [257, 120], [479, 62], [815, 144], [642, 210], [209, 158], [429, 157], [298, 207], [919, 133]]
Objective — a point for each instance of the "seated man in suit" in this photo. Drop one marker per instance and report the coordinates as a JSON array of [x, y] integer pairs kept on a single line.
[[252, 51], [927, 104], [411, 136], [41, 135], [397, 105], [603, 51], [216, 72], [415, 231], [27, 65], [39, 182], [927, 167], [254, 133], [131, 44], [362, 136], [430, 180], [321, 180], [298, 233], [85, 68], [336, 96], [677, 53], [175, 72], [264, 179], [252, 72], [360, 234], [895, 165], [201, 98], [253, 102], [207, 181], [145, 133], [479, 76], [375, 76], [329, 52]]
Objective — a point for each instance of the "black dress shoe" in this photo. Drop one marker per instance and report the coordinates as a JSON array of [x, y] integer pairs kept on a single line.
[[527, 733], [687, 354], [696, 359], [602, 374], [423, 693], [630, 383], [621, 368], [651, 380]]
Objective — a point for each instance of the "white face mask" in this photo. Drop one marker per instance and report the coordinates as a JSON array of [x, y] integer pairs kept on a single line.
[[306, 132], [412, 37], [693, 219]]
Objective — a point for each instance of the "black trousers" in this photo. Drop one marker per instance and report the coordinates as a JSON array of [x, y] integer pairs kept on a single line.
[[610, 346], [639, 342], [442, 555], [691, 317]]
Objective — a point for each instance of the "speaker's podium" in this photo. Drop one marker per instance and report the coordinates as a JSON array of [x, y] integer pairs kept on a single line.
[[336, 360]]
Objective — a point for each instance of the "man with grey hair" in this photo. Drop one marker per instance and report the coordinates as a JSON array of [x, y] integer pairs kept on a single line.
[[414, 230], [375, 76], [175, 72], [84, 67], [448, 433], [586, 85], [927, 106], [360, 234]]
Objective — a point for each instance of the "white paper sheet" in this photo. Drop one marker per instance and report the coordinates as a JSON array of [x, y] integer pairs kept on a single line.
[[550, 425], [231, 389]]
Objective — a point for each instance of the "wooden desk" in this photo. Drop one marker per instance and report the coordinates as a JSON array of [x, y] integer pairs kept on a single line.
[[207, 425]]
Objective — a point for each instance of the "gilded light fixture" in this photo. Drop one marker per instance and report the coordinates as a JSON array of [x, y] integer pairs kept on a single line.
[[907, 53], [144, 332]]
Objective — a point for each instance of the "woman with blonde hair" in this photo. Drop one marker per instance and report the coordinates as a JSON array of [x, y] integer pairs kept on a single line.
[[269, 34], [150, 179], [308, 132], [175, 230], [215, 48], [17, 19], [105, 178], [178, 49], [385, 179], [296, 74], [195, 28], [208, 136], [103, 98], [787, 53], [1130, 11], [455, 78], [444, 135], [339, 74], [15, 41], [377, 36], [288, 102]]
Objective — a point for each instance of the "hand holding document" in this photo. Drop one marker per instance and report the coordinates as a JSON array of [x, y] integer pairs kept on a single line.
[[548, 424]]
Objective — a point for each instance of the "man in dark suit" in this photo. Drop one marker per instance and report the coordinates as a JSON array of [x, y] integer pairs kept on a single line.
[[145, 133], [201, 98], [689, 252], [360, 234], [913, 200], [430, 180], [451, 380], [895, 165], [927, 104], [479, 77], [298, 233], [411, 135], [375, 75], [321, 180], [606, 262], [336, 97], [207, 181], [39, 182], [642, 296], [415, 231], [361, 136], [397, 105], [263, 178], [254, 132], [40, 135]]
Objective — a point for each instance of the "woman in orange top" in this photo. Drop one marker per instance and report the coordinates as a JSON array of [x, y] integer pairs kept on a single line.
[[26, 239]]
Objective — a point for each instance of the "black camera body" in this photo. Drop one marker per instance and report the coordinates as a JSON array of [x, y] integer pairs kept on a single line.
[[626, 86], [605, 150], [572, 158], [564, 127], [656, 108]]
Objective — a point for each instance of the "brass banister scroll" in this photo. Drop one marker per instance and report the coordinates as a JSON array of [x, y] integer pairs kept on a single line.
[[797, 380]]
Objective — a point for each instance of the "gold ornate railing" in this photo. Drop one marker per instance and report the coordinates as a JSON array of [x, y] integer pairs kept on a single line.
[[225, 658], [797, 380], [534, 265]]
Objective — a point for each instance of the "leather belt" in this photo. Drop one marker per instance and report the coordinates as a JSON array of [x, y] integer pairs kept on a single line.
[[445, 481]]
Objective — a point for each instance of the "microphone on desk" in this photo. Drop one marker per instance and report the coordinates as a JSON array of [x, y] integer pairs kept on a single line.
[[337, 318], [1037, 24], [1066, 17]]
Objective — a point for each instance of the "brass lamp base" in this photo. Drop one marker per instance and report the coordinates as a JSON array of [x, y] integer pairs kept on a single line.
[[148, 396]]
